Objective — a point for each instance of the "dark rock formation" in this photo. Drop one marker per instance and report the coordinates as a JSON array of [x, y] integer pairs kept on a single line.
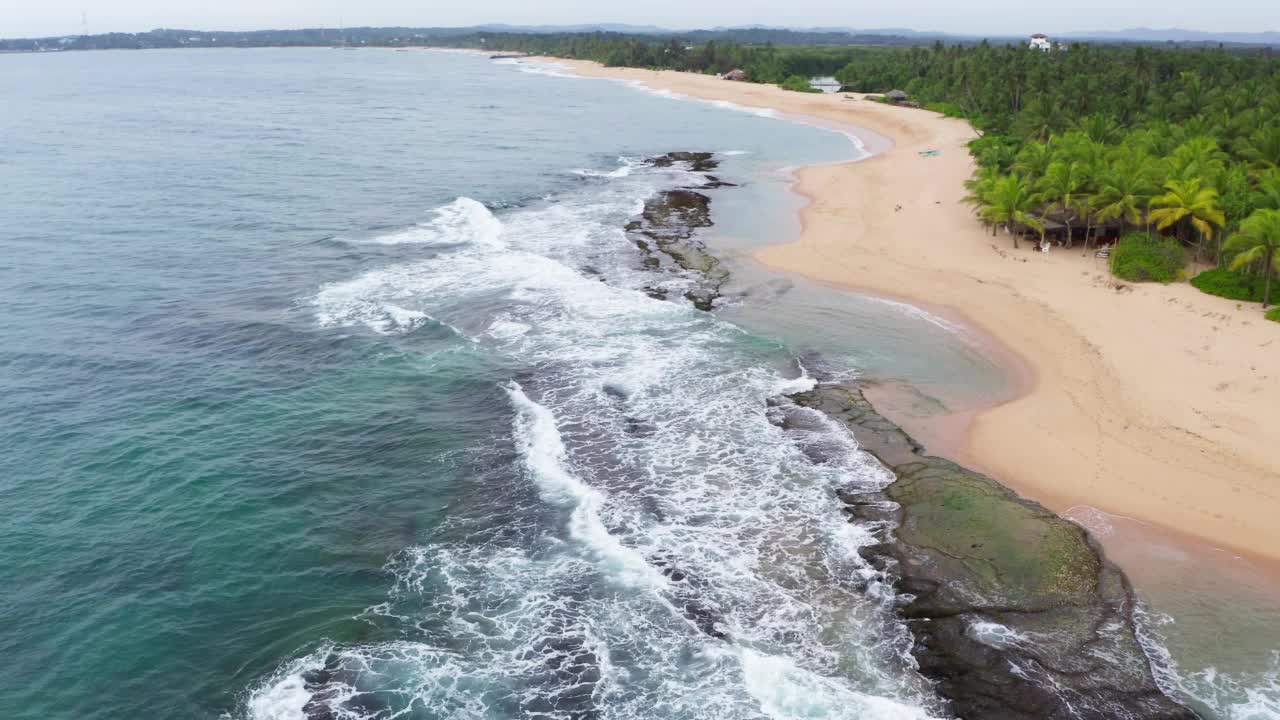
[[1015, 612], [698, 161], [667, 225]]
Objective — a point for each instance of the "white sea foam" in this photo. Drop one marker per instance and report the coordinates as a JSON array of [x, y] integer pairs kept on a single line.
[[919, 313], [760, 112], [544, 455], [548, 69], [679, 555], [1229, 696], [788, 692], [619, 172], [282, 699], [858, 144], [463, 221], [994, 634]]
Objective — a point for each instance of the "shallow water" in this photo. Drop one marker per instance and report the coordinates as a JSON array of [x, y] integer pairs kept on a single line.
[[332, 381]]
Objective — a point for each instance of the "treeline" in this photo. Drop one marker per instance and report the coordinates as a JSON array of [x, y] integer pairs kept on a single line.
[[764, 63], [1181, 142], [498, 38]]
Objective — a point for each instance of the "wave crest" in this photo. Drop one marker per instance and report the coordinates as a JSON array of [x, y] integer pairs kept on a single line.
[[462, 222]]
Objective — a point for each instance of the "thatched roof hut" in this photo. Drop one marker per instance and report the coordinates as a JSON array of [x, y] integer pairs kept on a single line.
[[737, 75], [896, 95]]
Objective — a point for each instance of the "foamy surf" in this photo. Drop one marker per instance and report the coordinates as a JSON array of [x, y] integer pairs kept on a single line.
[[757, 111], [544, 456], [626, 165], [672, 543], [1251, 695], [548, 69], [463, 221], [788, 692]]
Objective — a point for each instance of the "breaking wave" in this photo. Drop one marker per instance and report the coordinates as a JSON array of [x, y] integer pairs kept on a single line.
[[463, 221]]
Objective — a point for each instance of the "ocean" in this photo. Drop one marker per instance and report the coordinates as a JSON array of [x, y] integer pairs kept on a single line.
[[331, 380]]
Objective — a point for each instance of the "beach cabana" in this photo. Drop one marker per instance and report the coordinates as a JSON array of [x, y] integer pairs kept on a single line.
[[1053, 230], [737, 75], [896, 96]]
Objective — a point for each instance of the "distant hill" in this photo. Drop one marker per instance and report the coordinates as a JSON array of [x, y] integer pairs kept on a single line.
[[1150, 35]]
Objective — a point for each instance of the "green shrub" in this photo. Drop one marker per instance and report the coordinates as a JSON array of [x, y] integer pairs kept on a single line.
[[799, 84], [1274, 313], [1231, 284], [1139, 257], [949, 109]]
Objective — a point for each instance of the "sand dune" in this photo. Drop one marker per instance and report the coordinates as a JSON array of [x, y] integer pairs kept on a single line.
[[1154, 402]]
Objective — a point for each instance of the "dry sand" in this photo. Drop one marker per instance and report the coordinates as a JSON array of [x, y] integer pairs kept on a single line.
[[1155, 402]]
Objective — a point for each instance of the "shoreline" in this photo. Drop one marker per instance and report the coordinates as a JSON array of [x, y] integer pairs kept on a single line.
[[1149, 402]]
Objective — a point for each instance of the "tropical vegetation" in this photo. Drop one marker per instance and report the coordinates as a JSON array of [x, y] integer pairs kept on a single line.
[[1099, 142], [1257, 244], [1142, 257]]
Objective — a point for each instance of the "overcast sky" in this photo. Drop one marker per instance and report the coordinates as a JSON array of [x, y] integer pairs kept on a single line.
[[56, 17]]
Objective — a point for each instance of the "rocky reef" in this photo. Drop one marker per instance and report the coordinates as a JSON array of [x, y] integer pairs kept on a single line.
[[665, 230], [1015, 612]]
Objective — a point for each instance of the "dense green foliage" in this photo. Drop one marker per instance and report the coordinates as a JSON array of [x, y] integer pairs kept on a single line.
[[1257, 245], [765, 63], [1009, 90], [798, 84], [1108, 139], [1140, 257], [1229, 284], [1274, 314]]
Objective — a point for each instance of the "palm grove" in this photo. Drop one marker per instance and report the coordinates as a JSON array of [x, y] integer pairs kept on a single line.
[[1177, 150]]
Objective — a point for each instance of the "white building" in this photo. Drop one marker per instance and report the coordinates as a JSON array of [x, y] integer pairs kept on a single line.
[[1040, 42]]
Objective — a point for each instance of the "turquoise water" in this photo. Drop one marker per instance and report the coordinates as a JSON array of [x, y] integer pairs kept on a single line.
[[330, 384], [206, 477]]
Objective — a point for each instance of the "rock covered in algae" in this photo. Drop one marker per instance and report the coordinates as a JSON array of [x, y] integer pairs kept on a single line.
[[1015, 612], [668, 223]]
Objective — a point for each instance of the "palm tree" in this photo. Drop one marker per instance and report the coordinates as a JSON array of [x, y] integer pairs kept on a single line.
[[1125, 190], [1193, 94], [1267, 194], [1188, 202], [1060, 188], [980, 187], [1009, 203], [1099, 128], [1037, 121], [1258, 242], [1033, 159], [1263, 147], [1155, 139], [1197, 157], [1086, 206]]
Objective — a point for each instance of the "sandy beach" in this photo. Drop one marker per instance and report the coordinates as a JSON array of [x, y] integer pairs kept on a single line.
[[1153, 402]]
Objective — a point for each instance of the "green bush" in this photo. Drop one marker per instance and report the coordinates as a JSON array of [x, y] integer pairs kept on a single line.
[[1139, 257], [798, 84], [949, 109], [1232, 285], [1274, 313]]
